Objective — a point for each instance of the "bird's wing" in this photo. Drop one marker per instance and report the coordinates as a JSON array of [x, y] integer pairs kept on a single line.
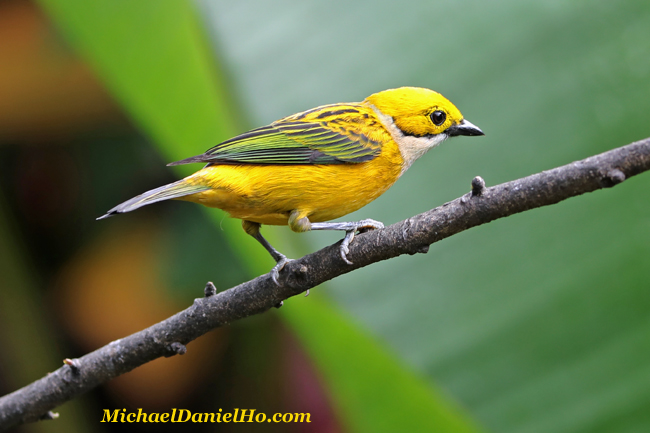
[[290, 141]]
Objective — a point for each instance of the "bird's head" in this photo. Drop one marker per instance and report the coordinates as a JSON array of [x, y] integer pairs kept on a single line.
[[418, 112], [419, 119]]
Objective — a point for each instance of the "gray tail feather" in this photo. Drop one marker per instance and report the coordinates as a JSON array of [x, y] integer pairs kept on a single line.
[[165, 192]]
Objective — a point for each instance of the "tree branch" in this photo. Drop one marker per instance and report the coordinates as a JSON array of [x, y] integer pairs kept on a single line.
[[414, 235]]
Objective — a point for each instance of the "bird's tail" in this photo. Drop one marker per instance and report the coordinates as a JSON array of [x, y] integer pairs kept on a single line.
[[166, 192]]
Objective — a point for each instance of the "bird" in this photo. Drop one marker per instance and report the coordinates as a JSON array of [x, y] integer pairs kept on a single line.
[[309, 168]]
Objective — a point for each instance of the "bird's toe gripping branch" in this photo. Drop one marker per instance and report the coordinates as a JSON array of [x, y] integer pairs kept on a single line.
[[350, 230], [275, 272]]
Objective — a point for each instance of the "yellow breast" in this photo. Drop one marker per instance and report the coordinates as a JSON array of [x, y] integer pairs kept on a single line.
[[267, 194]]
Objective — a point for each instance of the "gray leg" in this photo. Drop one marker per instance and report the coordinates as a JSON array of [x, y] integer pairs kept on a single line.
[[281, 260], [350, 229]]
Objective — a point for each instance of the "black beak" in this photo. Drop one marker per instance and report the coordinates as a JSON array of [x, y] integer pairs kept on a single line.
[[463, 128]]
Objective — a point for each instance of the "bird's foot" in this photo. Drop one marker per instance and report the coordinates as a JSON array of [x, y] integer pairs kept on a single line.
[[275, 272], [361, 226]]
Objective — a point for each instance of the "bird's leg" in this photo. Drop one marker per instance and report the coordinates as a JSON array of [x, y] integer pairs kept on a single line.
[[300, 223], [281, 260]]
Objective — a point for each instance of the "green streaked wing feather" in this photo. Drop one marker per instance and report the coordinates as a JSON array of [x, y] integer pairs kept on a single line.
[[291, 142]]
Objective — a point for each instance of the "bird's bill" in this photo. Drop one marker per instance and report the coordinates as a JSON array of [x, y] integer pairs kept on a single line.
[[464, 128]]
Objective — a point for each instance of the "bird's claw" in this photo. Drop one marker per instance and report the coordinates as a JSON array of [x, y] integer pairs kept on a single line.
[[275, 272], [367, 224], [345, 246]]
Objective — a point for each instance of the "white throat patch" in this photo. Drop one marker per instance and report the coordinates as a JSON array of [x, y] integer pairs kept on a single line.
[[410, 147]]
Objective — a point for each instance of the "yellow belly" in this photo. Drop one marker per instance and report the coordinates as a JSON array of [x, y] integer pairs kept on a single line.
[[267, 194]]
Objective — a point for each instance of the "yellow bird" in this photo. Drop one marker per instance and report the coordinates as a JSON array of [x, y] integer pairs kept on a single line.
[[317, 165]]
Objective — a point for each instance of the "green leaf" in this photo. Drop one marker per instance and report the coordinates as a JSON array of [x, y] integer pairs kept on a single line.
[[375, 393], [155, 61]]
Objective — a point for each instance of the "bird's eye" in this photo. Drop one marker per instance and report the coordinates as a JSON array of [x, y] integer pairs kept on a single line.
[[438, 117]]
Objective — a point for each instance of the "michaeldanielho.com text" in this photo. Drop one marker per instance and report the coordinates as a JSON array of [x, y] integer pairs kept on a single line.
[[185, 415]]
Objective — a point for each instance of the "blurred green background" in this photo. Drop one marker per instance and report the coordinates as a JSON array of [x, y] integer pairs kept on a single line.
[[536, 323]]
